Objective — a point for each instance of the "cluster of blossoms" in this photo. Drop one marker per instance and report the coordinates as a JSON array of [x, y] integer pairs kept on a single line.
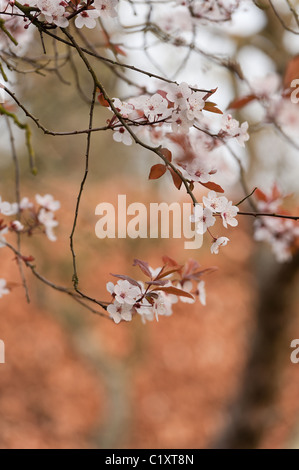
[[204, 217], [179, 108], [282, 234], [276, 99], [155, 297], [59, 12], [174, 116], [31, 217], [187, 14]]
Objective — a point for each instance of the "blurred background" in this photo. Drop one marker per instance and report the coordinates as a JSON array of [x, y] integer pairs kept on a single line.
[[213, 376]]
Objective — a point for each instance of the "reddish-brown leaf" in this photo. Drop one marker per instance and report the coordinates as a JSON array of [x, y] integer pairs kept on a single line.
[[169, 261], [103, 101], [143, 266], [170, 271], [167, 154], [157, 171], [261, 196], [177, 181], [212, 108], [239, 103], [174, 291], [213, 186]]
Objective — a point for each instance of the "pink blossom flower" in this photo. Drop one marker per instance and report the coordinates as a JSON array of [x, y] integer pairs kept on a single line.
[[120, 134], [214, 202], [120, 311], [87, 18], [196, 104], [178, 94], [203, 217], [125, 292], [228, 215], [156, 107]]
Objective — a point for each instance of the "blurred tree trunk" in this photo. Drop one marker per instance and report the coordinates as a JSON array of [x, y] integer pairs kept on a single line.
[[253, 411]]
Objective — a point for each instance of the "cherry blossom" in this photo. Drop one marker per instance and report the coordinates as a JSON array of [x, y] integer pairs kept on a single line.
[[46, 218], [281, 234], [47, 202], [196, 104], [203, 217], [201, 292], [228, 215], [121, 134], [187, 286], [155, 107], [106, 8], [17, 226], [178, 94], [214, 202], [25, 204], [126, 292], [53, 11], [120, 311], [87, 18], [221, 241], [3, 289], [231, 127], [6, 208], [180, 122]]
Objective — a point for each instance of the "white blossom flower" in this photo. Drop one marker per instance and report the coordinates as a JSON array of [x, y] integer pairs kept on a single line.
[[17, 226], [125, 109], [3, 288], [162, 305], [178, 94], [25, 203], [145, 310], [125, 292], [221, 241], [121, 134], [196, 104], [46, 218], [156, 107], [47, 202], [6, 208], [214, 202], [87, 18], [232, 128], [180, 122], [120, 311], [107, 8], [203, 217], [201, 292], [228, 215], [187, 286]]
